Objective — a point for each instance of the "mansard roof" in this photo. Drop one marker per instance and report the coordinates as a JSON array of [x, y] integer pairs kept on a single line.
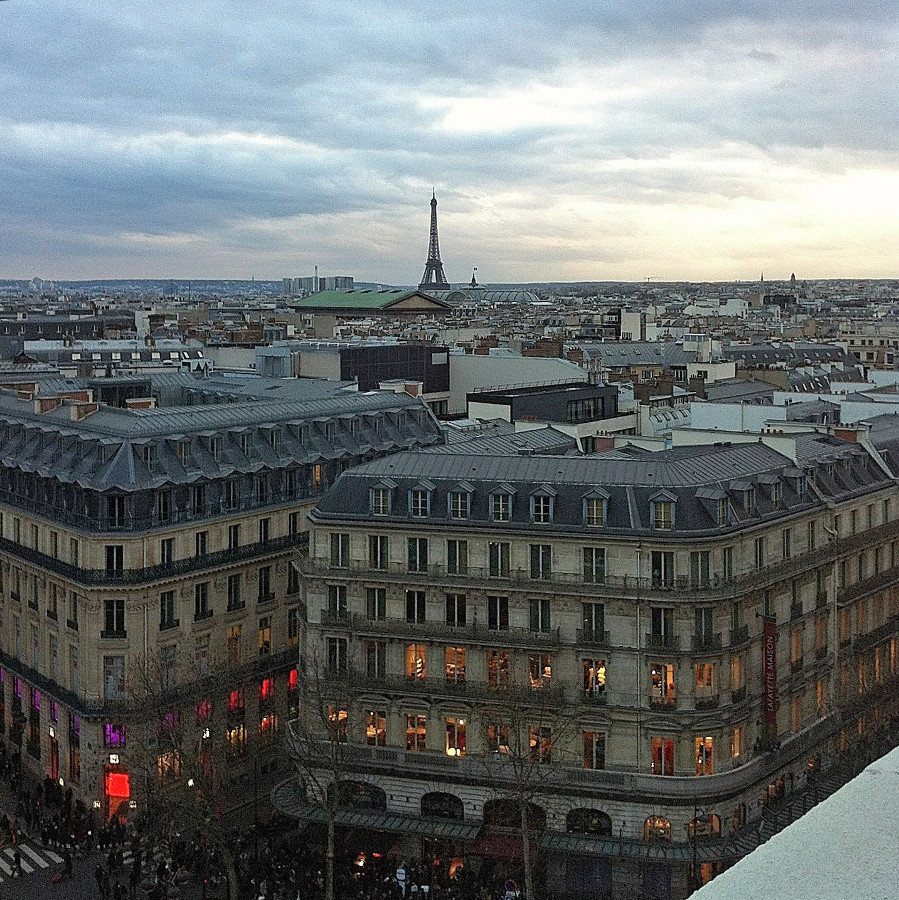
[[686, 475]]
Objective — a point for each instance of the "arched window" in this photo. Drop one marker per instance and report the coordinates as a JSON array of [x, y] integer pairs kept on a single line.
[[655, 828], [589, 821], [504, 813], [739, 817], [438, 805], [360, 794], [704, 827]]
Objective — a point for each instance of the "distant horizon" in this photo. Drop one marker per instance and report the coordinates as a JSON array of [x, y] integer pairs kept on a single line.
[[453, 284], [567, 142]]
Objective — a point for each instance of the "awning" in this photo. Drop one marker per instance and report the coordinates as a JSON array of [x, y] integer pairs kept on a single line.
[[501, 845], [288, 798]]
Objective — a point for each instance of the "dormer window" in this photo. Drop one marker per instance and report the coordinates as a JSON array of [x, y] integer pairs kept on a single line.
[[215, 448], [183, 449], [776, 493], [500, 507], [330, 431], [542, 507], [246, 444], [542, 510], [380, 501], [595, 511], [419, 503], [723, 512], [459, 502], [662, 509], [749, 499]]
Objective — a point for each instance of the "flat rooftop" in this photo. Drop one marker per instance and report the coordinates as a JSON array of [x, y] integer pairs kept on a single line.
[[843, 849]]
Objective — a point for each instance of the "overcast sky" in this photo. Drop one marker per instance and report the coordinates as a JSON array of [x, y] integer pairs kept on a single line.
[[566, 139]]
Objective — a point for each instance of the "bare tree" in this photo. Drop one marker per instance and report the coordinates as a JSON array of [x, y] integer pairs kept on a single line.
[[527, 731], [317, 739], [181, 757]]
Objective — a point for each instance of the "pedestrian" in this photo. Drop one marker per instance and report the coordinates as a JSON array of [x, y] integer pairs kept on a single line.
[[17, 862], [66, 863], [134, 879], [98, 875], [117, 893]]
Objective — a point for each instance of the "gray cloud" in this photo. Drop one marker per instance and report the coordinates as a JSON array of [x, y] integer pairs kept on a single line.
[[198, 135]]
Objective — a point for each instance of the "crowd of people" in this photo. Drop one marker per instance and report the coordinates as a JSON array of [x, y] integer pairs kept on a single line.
[[274, 861]]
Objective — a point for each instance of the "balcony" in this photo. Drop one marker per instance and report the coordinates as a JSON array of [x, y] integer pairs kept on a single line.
[[590, 637], [595, 697], [117, 635], [796, 665], [866, 641], [547, 694], [739, 695], [820, 599], [474, 632], [706, 642], [264, 598], [821, 652], [662, 642], [667, 703], [706, 702], [202, 614], [739, 635], [631, 587], [215, 560], [795, 610], [168, 624]]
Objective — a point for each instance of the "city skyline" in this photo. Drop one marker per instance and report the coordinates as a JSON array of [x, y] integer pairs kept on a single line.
[[684, 142]]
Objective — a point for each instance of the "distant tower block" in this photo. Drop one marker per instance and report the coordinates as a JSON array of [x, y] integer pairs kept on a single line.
[[433, 276]]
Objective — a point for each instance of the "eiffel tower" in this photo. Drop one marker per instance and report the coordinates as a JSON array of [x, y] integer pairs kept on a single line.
[[433, 276]]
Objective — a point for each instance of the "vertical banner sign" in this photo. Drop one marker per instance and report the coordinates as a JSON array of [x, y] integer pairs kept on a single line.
[[769, 669]]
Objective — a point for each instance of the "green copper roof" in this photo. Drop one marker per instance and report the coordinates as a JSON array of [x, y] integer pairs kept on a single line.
[[358, 299]]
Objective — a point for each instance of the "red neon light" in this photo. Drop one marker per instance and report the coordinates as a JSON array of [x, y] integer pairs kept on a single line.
[[118, 784]]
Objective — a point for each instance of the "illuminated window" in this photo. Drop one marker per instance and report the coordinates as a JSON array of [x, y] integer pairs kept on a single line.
[[497, 668], [168, 765], [705, 755], [265, 635], [736, 743], [594, 750], [662, 756], [662, 684], [114, 734], [416, 731], [594, 677], [455, 664], [266, 688], [236, 737], [416, 658], [376, 728], [236, 701], [540, 742], [455, 737], [337, 722], [540, 667], [203, 710], [234, 645], [498, 737]]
